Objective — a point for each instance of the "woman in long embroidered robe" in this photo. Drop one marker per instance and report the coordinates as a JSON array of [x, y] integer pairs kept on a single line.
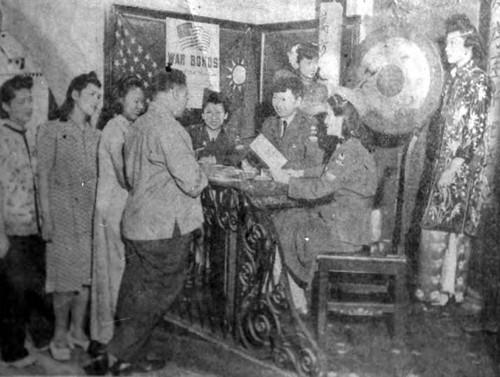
[[459, 185]]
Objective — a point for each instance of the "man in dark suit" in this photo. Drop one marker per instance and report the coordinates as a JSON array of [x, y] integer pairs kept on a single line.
[[290, 131]]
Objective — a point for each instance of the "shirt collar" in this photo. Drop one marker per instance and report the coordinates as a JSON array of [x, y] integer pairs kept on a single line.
[[157, 108], [459, 71], [14, 126], [290, 118], [80, 127], [211, 133]]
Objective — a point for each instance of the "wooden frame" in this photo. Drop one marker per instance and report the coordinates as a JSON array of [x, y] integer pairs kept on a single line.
[[265, 30]]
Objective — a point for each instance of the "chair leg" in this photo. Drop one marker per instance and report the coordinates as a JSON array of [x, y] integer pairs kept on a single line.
[[322, 305], [400, 309]]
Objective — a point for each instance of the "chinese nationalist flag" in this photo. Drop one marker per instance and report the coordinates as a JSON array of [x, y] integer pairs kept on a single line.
[[239, 80]]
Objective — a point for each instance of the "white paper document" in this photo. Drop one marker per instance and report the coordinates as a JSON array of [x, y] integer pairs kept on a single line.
[[268, 153]]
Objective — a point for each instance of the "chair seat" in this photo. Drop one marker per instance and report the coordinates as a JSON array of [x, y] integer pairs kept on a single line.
[[360, 308], [363, 288], [362, 263]]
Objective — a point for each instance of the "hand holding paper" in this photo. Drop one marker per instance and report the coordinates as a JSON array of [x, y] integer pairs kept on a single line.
[[284, 175], [280, 176], [268, 153]]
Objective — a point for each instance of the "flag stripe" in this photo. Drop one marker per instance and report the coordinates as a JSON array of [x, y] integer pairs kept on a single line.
[[131, 54]]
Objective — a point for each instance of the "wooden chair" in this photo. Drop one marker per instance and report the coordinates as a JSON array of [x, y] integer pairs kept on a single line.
[[374, 282], [386, 296]]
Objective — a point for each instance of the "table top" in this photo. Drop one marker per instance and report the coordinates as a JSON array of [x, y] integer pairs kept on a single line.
[[262, 189]]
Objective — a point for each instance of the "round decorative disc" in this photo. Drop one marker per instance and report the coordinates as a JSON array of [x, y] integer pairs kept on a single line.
[[399, 75]]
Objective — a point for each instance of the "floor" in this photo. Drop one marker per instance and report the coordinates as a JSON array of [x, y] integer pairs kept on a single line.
[[435, 345]]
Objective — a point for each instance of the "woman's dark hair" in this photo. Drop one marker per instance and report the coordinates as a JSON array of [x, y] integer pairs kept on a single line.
[[9, 89], [307, 50], [351, 127], [216, 98], [461, 23], [121, 89], [78, 83]]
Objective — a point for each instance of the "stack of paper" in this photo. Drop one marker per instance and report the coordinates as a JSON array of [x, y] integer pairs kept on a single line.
[[268, 153]]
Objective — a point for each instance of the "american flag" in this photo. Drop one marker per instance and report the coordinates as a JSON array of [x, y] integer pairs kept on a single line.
[[192, 35], [131, 55]]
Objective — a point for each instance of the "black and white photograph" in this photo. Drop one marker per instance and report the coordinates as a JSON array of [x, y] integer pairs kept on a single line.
[[250, 188]]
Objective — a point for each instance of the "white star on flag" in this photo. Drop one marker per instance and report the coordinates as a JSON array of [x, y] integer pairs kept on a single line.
[[130, 54]]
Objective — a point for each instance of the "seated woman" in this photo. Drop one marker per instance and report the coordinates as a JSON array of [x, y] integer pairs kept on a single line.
[[211, 142], [342, 194]]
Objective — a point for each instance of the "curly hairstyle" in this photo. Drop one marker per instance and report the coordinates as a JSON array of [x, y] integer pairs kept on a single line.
[[216, 98], [351, 127], [79, 83], [461, 23], [9, 89], [121, 89], [307, 50]]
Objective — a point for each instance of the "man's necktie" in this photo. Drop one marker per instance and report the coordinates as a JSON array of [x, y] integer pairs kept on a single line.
[[283, 127]]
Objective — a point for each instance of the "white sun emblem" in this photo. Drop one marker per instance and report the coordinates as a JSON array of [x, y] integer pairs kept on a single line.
[[237, 74]]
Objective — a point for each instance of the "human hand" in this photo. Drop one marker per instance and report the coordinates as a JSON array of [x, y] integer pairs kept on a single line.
[[329, 176], [247, 167], [294, 173], [4, 245], [209, 160], [280, 176]]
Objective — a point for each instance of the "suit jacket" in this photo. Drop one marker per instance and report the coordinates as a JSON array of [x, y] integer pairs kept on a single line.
[[295, 144]]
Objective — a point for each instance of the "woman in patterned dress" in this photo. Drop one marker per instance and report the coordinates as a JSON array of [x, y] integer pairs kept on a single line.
[[109, 252], [67, 178], [459, 185]]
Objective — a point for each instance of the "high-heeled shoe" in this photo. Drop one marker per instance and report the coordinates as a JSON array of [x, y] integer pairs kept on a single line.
[[59, 353], [83, 344], [123, 368]]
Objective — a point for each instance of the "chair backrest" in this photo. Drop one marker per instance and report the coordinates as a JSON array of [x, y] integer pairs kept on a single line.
[[389, 241]]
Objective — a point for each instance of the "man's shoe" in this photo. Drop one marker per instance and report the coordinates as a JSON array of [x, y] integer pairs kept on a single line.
[[26, 361], [123, 368], [98, 366], [96, 348]]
